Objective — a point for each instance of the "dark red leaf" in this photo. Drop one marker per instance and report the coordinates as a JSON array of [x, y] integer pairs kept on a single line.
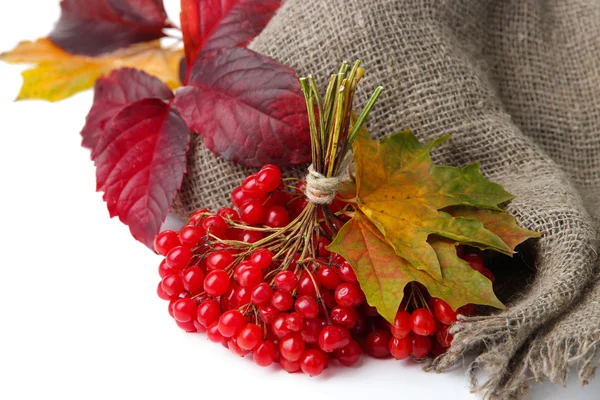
[[140, 161], [93, 27], [115, 91], [210, 25], [248, 108]]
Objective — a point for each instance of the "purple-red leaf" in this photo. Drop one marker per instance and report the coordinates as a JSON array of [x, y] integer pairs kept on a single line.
[[140, 161], [93, 27], [115, 91], [248, 108], [210, 25]]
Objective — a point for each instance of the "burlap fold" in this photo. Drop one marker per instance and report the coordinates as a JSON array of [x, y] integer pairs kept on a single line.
[[517, 85]]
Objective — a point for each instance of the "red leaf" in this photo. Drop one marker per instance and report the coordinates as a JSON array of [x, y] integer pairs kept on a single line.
[[93, 27], [210, 25], [248, 108], [140, 161], [115, 91]]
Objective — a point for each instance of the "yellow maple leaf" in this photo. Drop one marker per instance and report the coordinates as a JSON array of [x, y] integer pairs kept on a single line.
[[59, 74]]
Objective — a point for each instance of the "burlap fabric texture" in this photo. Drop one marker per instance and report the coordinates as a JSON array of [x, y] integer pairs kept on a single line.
[[517, 85]]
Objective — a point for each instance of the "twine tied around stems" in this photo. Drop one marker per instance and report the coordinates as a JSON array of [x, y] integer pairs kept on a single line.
[[321, 189]]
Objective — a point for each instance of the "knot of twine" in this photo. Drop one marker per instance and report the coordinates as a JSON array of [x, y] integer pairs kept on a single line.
[[321, 189]]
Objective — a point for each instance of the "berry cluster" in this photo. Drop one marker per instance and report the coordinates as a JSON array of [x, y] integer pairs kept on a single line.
[[230, 275]]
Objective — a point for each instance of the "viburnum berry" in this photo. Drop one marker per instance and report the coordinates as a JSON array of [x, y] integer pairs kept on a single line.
[[322, 247], [349, 354], [328, 298], [261, 258], [279, 326], [347, 274], [193, 279], [165, 269], [252, 212], [344, 316], [165, 241], [213, 334], [219, 259], [444, 337], [228, 214], [294, 322], [313, 362], [292, 346], [250, 236], [306, 285], [249, 337], [208, 312], [238, 197], [190, 235], [268, 178], [261, 294], [290, 366], [231, 322], [186, 326], [249, 277], [296, 207], [307, 307], [467, 310], [251, 189], [243, 295], [267, 313], [402, 325], [443, 312], [475, 260], [264, 353], [400, 349], [421, 345], [377, 343], [235, 348], [311, 328], [172, 285], [215, 226], [330, 338], [184, 310], [161, 293], [328, 277], [276, 217], [228, 299], [282, 301], [178, 257], [216, 283], [423, 322], [349, 295], [286, 281]]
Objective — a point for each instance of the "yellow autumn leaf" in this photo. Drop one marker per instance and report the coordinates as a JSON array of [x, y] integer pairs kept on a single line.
[[59, 74]]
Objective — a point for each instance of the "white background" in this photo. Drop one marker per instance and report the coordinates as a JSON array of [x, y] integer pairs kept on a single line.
[[79, 317]]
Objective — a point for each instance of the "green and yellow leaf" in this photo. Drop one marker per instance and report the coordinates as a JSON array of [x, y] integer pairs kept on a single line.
[[59, 74]]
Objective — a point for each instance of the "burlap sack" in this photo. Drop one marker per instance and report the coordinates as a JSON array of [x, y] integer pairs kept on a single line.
[[517, 84]]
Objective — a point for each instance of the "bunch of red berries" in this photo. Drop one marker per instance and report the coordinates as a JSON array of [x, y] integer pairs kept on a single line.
[[253, 281]]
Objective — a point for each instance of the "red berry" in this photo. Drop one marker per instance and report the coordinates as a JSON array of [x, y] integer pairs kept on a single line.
[[282, 301], [443, 337], [400, 349], [322, 247], [208, 312], [292, 346], [328, 277], [231, 322], [286, 281], [238, 197], [249, 277], [290, 366], [228, 214], [172, 285], [328, 298], [251, 190], [228, 299], [443, 312], [277, 217], [216, 283], [165, 241], [267, 313], [313, 362], [348, 355], [268, 178], [347, 294], [422, 322], [293, 321], [378, 343], [261, 258], [249, 337], [186, 326], [307, 307], [306, 286], [213, 334], [347, 273], [165, 269], [193, 279], [184, 310], [436, 348], [215, 226], [402, 325], [421, 346], [250, 236], [279, 326], [330, 338], [219, 259], [242, 295], [252, 212], [297, 206], [261, 294], [178, 257], [361, 325], [233, 345], [161, 293], [475, 261], [344, 316], [264, 353], [190, 235], [467, 310], [311, 328]]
